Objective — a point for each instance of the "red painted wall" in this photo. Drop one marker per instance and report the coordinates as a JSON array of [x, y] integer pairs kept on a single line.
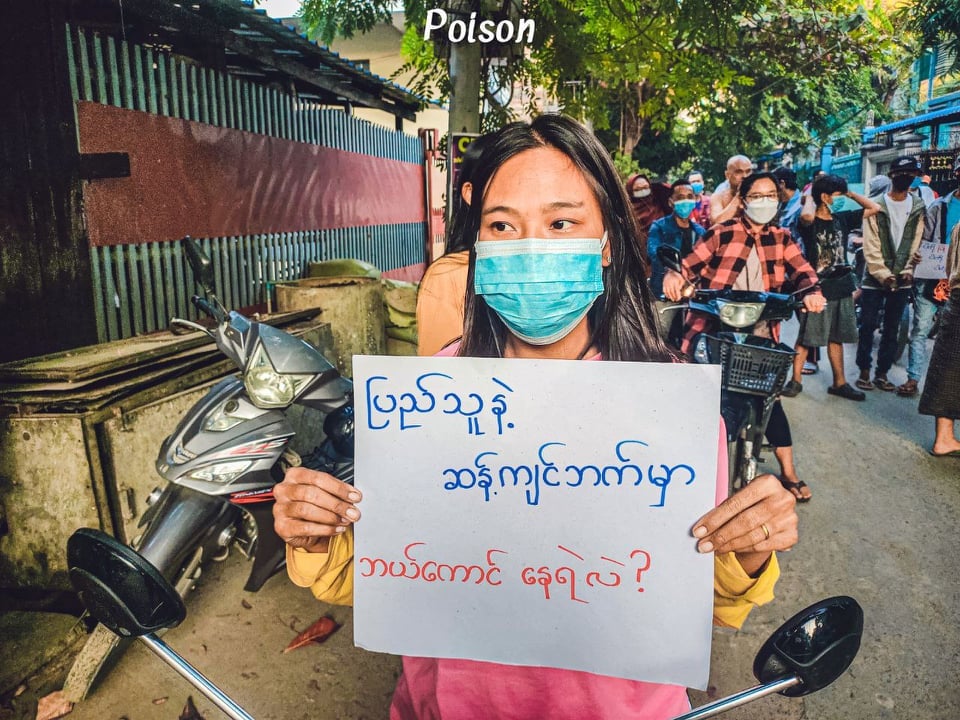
[[190, 178]]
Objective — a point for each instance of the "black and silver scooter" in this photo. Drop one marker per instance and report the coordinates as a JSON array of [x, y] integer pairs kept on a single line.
[[754, 367], [225, 456], [129, 596]]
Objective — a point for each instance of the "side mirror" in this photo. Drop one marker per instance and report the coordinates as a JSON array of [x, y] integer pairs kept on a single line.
[[805, 654], [817, 645], [119, 587], [200, 263], [130, 597], [670, 257]]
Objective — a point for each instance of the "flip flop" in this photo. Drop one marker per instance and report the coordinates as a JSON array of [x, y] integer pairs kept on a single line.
[[908, 389], [884, 384], [952, 453], [791, 486]]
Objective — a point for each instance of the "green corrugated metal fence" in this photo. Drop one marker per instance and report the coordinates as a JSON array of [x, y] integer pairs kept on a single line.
[[139, 287]]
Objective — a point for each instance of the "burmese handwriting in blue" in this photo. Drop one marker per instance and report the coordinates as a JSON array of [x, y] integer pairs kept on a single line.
[[491, 477], [435, 396]]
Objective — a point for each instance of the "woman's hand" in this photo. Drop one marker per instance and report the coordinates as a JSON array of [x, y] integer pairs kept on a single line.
[[311, 507], [673, 285], [752, 522]]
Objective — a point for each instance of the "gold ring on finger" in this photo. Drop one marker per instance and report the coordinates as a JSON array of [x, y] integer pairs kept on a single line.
[[766, 531]]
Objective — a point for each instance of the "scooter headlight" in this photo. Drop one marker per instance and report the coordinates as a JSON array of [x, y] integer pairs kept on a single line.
[[266, 387], [740, 315], [221, 472]]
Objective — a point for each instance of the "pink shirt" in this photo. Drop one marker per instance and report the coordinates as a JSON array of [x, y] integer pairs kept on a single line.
[[455, 689]]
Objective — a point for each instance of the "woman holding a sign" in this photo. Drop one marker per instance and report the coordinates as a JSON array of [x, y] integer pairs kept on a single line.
[[556, 273]]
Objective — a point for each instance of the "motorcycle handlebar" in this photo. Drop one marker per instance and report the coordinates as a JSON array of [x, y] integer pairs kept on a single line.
[[208, 308]]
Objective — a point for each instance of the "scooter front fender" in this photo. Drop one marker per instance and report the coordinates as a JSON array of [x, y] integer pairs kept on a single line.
[[181, 521], [738, 410]]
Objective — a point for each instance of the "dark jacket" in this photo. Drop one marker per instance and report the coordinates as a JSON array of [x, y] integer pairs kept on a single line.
[[665, 231]]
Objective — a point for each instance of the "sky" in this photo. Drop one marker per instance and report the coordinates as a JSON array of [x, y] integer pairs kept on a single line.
[[280, 8]]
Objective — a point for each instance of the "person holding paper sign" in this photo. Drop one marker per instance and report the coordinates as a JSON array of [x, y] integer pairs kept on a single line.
[[556, 272]]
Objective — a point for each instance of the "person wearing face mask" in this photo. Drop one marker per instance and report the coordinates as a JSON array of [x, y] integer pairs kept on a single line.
[[824, 226], [556, 273], [791, 201], [890, 242], [680, 231], [701, 211], [650, 202], [749, 252], [943, 215]]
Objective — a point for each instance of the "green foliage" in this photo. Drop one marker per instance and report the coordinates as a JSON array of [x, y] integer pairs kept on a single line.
[[935, 22], [625, 165], [670, 83], [327, 19]]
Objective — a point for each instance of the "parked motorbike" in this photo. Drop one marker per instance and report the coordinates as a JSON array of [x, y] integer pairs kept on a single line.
[[225, 456], [133, 599], [754, 368]]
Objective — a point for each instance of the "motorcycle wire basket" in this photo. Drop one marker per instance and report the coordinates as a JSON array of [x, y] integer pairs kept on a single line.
[[752, 364]]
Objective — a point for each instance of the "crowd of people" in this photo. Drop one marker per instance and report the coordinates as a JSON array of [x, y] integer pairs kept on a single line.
[[863, 252], [542, 202]]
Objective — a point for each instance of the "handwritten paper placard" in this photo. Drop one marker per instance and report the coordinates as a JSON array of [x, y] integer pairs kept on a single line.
[[933, 263], [536, 512]]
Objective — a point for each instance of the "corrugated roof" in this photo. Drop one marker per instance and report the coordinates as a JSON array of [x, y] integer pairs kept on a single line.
[[912, 122], [250, 43], [331, 58]]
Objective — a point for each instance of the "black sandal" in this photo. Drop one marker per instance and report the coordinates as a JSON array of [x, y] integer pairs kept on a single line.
[[796, 486]]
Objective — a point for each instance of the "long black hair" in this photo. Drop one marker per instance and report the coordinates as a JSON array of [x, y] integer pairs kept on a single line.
[[457, 240], [621, 321]]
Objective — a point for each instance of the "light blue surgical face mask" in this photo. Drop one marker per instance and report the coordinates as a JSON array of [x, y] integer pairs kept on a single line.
[[683, 208], [837, 204], [697, 187], [540, 288]]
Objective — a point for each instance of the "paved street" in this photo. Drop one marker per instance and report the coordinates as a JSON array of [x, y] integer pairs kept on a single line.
[[880, 528]]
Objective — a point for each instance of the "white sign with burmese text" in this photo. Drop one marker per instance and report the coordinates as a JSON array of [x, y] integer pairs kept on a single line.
[[933, 261], [537, 512]]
